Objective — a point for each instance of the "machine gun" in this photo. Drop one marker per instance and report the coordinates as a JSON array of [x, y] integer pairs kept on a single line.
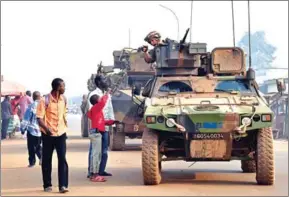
[[99, 68], [182, 42], [123, 74]]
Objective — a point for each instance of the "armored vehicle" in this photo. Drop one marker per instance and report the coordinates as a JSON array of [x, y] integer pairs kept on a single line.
[[134, 72], [205, 106], [85, 123]]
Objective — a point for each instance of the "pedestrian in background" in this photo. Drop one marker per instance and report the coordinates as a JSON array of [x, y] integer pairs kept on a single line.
[[6, 114], [24, 102], [30, 125]]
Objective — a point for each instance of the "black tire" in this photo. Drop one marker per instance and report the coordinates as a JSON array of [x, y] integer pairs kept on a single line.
[[116, 138], [151, 164], [265, 174], [248, 166], [84, 126]]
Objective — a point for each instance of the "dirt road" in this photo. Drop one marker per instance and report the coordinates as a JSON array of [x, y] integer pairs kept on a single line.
[[178, 179]]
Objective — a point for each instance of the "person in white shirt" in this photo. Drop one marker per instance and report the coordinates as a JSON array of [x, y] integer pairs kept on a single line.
[[101, 87]]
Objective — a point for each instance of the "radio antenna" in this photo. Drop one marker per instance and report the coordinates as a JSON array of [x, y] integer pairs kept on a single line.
[[233, 22], [191, 21], [249, 31]]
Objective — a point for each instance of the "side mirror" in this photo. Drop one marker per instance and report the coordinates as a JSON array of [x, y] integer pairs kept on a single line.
[[147, 88], [136, 89], [250, 74], [281, 86]]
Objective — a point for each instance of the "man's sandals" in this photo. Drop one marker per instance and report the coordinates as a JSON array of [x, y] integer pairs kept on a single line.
[[97, 178]]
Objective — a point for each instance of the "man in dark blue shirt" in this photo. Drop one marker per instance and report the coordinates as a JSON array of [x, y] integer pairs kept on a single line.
[[6, 113]]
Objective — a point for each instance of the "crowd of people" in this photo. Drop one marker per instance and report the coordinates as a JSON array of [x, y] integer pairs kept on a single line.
[[44, 120], [12, 111]]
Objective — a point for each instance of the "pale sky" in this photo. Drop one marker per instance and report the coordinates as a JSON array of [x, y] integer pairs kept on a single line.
[[44, 40]]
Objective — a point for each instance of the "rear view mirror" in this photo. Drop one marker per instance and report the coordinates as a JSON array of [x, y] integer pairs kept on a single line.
[[281, 86]]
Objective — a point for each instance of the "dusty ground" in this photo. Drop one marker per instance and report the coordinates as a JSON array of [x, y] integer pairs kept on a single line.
[[178, 179]]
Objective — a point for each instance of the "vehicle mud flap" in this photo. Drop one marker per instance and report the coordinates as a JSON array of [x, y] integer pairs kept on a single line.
[[151, 164], [116, 138], [248, 166], [265, 174]]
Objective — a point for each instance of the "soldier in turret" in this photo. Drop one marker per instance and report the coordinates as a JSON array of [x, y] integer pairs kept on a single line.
[[154, 39]]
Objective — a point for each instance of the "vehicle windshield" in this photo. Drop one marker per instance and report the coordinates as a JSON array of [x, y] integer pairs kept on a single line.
[[222, 86], [175, 86], [228, 86]]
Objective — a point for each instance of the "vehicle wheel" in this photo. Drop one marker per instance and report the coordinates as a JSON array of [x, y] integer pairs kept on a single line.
[[84, 126], [116, 138], [248, 166], [265, 174], [151, 164]]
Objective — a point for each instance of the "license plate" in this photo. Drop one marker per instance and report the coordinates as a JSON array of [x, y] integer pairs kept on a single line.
[[214, 149], [211, 136]]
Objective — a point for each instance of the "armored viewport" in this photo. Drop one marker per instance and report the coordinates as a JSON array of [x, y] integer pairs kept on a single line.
[[174, 58]]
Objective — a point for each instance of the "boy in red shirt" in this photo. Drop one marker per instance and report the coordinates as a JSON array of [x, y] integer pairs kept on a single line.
[[95, 114]]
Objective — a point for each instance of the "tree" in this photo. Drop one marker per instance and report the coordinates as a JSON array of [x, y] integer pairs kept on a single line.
[[261, 51]]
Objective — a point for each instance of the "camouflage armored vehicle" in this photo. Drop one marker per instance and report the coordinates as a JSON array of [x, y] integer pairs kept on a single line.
[[205, 106], [133, 71], [85, 123], [127, 108]]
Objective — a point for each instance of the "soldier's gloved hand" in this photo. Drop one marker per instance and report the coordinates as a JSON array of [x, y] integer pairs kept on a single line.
[[144, 48]]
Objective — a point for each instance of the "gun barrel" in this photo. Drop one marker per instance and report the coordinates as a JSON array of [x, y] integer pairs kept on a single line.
[[185, 36]]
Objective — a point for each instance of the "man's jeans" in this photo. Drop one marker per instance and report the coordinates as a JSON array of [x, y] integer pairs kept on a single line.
[[4, 128], [104, 150], [34, 148], [95, 157], [50, 143]]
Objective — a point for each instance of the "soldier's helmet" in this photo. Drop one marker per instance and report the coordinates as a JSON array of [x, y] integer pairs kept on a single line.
[[152, 34]]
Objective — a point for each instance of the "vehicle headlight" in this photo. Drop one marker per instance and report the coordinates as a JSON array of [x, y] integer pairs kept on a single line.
[[246, 121], [170, 122]]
